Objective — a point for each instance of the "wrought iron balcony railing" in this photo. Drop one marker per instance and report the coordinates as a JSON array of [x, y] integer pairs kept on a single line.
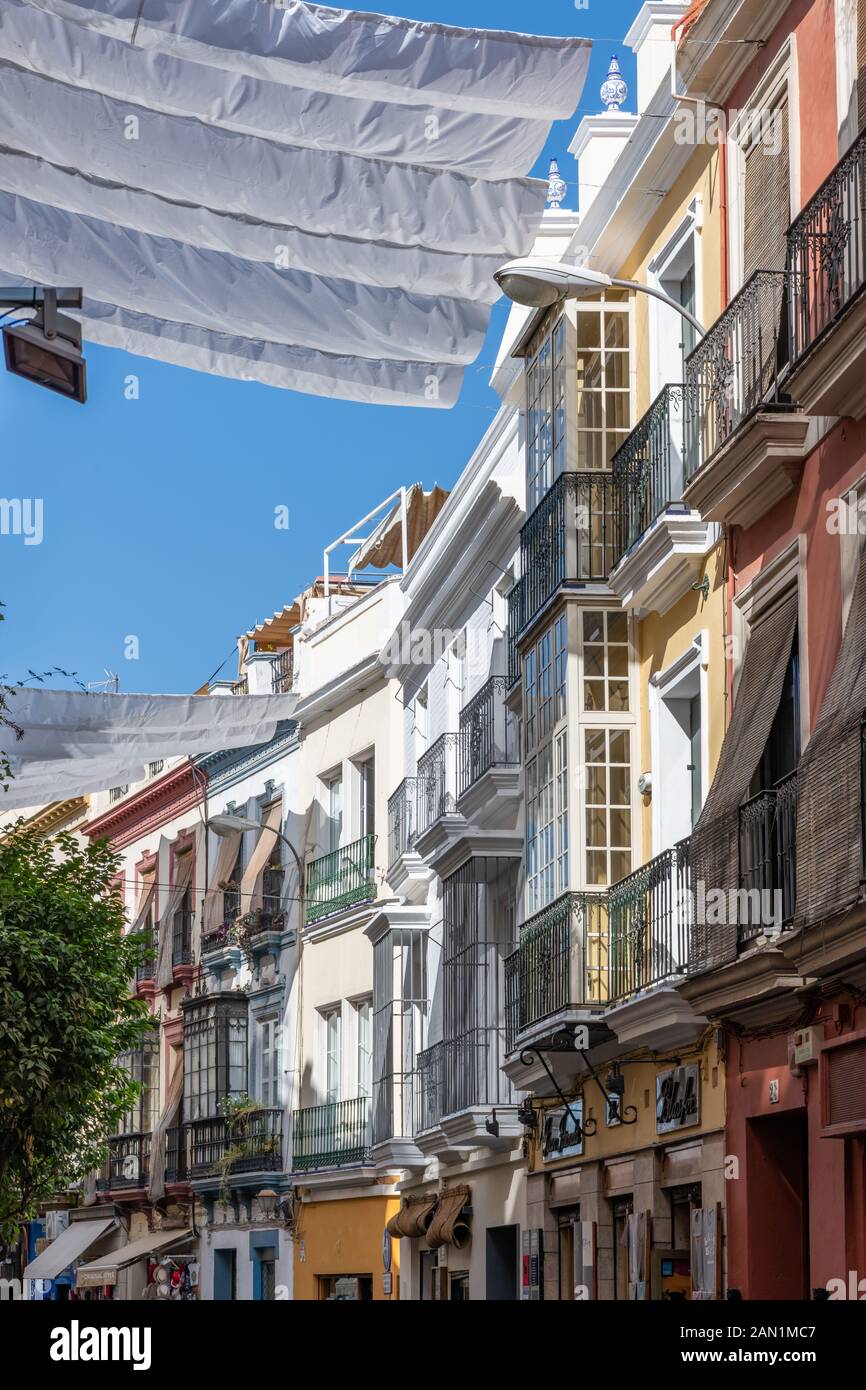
[[737, 367], [561, 962], [333, 1135], [282, 672], [649, 465], [175, 1154], [488, 734], [341, 878], [128, 1162], [649, 913], [768, 858], [181, 937], [516, 624], [436, 783], [241, 686], [572, 536], [430, 1088], [827, 251], [253, 1139], [401, 820]]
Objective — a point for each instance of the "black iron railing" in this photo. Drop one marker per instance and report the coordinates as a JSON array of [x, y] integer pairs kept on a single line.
[[253, 1140], [175, 1154], [181, 937], [128, 1162], [768, 859], [436, 783], [572, 536], [331, 1135], [827, 250], [516, 624], [401, 820], [649, 914], [430, 1087], [241, 686], [341, 878], [282, 672], [561, 962], [488, 734], [737, 367], [649, 466]]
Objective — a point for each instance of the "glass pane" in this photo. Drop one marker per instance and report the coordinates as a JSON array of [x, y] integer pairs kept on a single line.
[[588, 328], [596, 828], [593, 662], [617, 411], [616, 330], [593, 695], [617, 627], [618, 696], [620, 828], [593, 626], [620, 865], [619, 786], [596, 867], [594, 745], [617, 661], [616, 370], [619, 746]]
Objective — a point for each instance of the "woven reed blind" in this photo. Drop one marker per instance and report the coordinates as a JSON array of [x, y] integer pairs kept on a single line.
[[828, 785], [714, 853], [767, 196]]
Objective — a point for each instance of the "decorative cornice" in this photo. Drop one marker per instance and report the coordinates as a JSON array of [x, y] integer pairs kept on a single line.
[[160, 801], [228, 766], [49, 819]]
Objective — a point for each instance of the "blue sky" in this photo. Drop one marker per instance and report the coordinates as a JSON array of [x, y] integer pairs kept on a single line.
[[158, 512]]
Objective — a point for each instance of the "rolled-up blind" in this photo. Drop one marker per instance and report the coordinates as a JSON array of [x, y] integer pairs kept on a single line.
[[767, 194], [714, 851], [251, 883], [829, 837]]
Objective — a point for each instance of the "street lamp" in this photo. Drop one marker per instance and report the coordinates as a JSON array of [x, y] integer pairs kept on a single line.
[[228, 824], [538, 284], [47, 348]]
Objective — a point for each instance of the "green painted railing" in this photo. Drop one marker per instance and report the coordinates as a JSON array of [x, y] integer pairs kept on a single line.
[[341, 878], [332, 1135]]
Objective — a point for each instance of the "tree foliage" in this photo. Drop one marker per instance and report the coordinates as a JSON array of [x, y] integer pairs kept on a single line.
[[65, 1015]]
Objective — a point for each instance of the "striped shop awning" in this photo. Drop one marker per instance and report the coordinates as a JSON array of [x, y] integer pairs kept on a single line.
[[272, 190]]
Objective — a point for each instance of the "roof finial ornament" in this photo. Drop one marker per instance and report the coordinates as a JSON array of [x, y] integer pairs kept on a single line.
[[556, 186], [613, 89]]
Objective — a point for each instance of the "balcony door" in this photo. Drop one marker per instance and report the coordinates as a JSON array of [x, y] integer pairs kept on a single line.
[[334, 810]]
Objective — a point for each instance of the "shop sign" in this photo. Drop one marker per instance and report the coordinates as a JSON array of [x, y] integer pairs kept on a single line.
[[678, 1098], [95, 1278], [563, 1132]]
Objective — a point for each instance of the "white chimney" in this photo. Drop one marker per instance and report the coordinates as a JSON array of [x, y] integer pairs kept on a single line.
[[650, 40]]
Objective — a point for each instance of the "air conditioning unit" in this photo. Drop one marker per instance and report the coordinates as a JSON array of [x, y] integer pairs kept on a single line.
[[806, 1044]]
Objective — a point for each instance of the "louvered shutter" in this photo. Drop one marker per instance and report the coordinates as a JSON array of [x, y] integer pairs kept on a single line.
[[843, 1087], [714, 853], [767, 196]]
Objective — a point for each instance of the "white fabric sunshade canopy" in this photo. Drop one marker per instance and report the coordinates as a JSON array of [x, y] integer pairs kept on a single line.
[[76, 742], [69, 1246], [271, 190]]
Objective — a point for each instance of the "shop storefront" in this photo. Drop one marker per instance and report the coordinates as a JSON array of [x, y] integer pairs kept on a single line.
[[161, 1265]]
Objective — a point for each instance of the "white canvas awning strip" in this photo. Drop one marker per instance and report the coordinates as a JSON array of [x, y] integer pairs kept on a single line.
[[69, 1246], [308, 197], [76, 742]]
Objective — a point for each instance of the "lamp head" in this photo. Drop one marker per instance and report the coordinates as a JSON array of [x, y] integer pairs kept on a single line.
[[537, 284], [227, 825]]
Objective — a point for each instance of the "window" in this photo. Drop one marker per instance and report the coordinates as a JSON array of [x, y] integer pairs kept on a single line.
[[142, 1064], [272, 883], [367, 797], [545, 411], [214, 1053], [364, 1047], [603, 382], [422, 727], [333, 1047], [547, 771], [766, 193], [782, 751], [232, 895], [270, 1066], [605, 660], [334, 806], [607, 756]]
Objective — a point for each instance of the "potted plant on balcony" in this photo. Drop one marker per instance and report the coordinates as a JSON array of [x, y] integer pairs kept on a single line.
[[240, 1142]]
